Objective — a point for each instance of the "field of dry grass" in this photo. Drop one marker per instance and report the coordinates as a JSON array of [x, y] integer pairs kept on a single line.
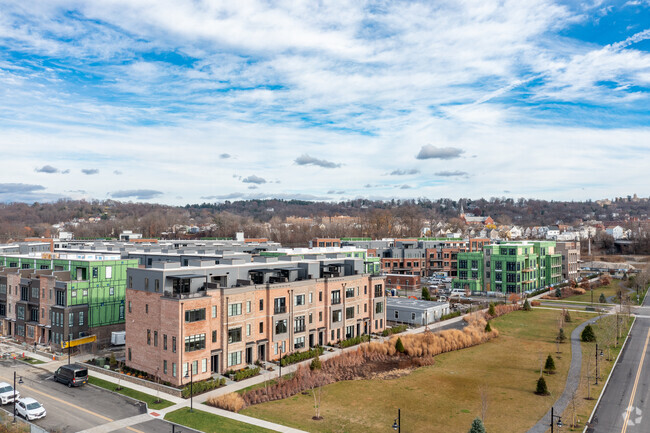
[[446, 395]]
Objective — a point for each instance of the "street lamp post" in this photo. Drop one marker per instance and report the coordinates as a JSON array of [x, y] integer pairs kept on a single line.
[[559, 419], [20, 380], [397, 424], [190, 375]]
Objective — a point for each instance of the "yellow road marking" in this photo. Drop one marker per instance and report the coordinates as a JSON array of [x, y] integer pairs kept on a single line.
[[71, 405], [636, 383]]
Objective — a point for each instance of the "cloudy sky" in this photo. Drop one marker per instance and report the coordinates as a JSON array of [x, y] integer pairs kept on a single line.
[[184, 102]]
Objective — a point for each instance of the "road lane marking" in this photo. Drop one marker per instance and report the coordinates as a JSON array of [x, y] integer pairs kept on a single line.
[[636, 382], [70, 404]]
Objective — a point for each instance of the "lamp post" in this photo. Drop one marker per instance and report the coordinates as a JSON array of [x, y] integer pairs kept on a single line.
[[190, 375], [601, 354], [20, 380], [397, 424], [559, 419]]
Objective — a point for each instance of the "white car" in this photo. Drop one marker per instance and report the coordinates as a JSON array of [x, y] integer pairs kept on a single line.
[[30, 409], [7, 393]]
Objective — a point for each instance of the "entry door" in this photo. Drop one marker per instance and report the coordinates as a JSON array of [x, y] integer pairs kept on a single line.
[[311, 340], [249, 355], [320, 338], [261, 352], [215, 363], [358, 329]]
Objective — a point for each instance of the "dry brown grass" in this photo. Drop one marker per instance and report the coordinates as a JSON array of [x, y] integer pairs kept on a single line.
[[232, 402]]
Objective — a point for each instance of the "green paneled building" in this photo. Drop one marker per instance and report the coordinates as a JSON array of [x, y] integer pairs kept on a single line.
[[513, 267]]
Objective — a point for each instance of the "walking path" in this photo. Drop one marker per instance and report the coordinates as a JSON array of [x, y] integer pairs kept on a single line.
[[572, 381]]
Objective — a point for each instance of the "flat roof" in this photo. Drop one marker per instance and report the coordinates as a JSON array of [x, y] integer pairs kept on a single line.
[[392, 301], [186, 276]]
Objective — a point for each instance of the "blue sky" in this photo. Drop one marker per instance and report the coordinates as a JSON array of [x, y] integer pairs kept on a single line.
[[179, 102]]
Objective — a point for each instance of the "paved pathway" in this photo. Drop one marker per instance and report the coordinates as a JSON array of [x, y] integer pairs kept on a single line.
[[572, 381]]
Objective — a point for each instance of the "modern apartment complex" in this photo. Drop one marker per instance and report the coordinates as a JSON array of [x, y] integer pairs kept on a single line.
[[213, 318], [570, 252], [79, 293], [514, 267], [372, 265]]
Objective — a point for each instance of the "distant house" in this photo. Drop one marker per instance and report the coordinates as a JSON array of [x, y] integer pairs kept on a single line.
[[514, 233], [471, 219], [616, 232], [553, 232]]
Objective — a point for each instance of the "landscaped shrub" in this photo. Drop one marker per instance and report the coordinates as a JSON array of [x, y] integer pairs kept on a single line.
[[541, 389], [567, 316], [535, 304], [395, 330], [399, 346], [232, 402], [602, 298], [450, 315], [558, 293], [202, 386], [354, 341], [246, 373], [425, 294], [526, 306], [477, 426], [491, 311], [500, 310], [588, 335], [561, 337], [315, 364], [488, 328], [549, 367], [292, 358]]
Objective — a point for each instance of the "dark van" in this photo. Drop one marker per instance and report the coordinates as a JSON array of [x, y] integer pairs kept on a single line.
[[72, 375]]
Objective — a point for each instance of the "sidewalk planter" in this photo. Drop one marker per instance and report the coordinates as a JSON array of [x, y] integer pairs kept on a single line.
[[133, 379], [202, 386], [300, 356], [394, 330], [354, 341]]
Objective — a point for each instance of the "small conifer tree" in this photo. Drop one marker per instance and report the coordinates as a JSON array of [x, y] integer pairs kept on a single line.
[[561, 336], [567, 316], [550, 365], [491, 311], [526, 305], [315, 364], [399, 345], [602, 298], [488, 328], [588, 335], [542, 389], [477, 426]]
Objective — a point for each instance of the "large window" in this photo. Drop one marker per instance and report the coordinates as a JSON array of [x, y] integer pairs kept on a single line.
[[336, 316], [299, 342], [60, 298], [336, 297], [194, 342], [195, 315], [234, 309], [462, 264], [280, 326], [299, 300], [378, 290], [234, 358], [20, 312], [379, 307], [349, 292], [299, 324], [234, 335], [279, 306], [511, 266], [24, 293], [349, 313]]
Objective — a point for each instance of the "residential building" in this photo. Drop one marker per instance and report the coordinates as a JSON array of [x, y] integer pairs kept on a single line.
[[213, 318], [570, 252]]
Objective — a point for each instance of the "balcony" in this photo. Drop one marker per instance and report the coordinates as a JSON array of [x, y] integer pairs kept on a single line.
[[280, 309]]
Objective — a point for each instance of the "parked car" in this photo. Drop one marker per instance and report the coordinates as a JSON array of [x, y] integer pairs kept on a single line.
[[7, 393], [72, 375], [30, 409]]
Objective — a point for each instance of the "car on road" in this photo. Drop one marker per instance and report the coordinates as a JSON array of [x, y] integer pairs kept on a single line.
[[30, 409], [7, 393], [71, 375]]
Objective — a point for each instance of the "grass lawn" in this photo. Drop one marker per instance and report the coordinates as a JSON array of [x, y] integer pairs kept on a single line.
[[603, 330], [445, 396], [32, 361], [209, 423], [608, 290], [147, 398]]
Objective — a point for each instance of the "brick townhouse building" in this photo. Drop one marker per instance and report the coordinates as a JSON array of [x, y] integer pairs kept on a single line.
[[213, 318]]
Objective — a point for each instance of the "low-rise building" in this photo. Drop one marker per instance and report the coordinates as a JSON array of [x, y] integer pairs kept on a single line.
[[413, 311]]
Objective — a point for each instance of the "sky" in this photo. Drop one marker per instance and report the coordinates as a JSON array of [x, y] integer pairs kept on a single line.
[[204, 101]]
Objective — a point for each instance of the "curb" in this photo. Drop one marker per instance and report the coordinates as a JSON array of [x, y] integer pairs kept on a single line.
[[608, 377]]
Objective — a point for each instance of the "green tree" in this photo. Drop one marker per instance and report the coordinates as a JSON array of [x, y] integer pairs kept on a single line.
[[477, 426], [561, 336], [526, 305], [602, 298], [488, 328], [399, 346], [425, 294], [315, 363], [567, 316], [491, 311], [542, 389], [558, 293], [588, 335], [550, 365]]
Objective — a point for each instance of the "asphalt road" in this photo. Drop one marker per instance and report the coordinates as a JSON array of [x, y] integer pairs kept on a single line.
[[625, 405], [74, 409]]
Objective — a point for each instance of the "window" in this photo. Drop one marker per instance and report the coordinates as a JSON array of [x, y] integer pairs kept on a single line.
[[214, 336], [234, 335], [173, 344], [299, 324], [109, 271], [279, 306], [70, 320], [194, 342], [320, 296], [130, 282], [195, 315], [204, 365], [165, 366], [130, 305], [20, 330], [146, 283], [378, 290], [462, 275], [156, 285], [299, 300], [111, 291], [214, 311], [261, 304], [498, 266], [379, 307], [474, 275], [280, 326], [248, 306], [261, 327], [3, 289], [412, 316], [311, 297], [396, 314], [336, 297], [320, 316], [310, 318], [121, 312], [173, 369], [24, 293], [73, 293], [149, 337], [129, 353], [164, 341], [337, 316], [95, 272], [462, 264], [35, 292], [349, 292], [234, 309], [248, 330], [365, 308], [81, 318], [349, 331], [234, 358], [146, 308], [299, 342], [349, 313], [20, 312]]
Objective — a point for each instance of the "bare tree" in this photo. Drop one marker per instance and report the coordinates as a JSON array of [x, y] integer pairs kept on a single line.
[[574, 409], [483, 392]]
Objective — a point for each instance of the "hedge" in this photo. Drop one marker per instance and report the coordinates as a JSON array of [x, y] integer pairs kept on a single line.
[[246, 373], [450, 315], [355, 340], [202, 386], [292, 358]]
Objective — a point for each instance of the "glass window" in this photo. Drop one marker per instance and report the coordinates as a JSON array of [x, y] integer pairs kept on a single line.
[[195, 342], [337, 316], [349, 292], [195, 315], [336, 297], [81, 318], [299, 300], [70, 320], [299, 324], [379, 307], [234, 358], [280, 326], [349, 313], [214, 311], [234, 309], [234, 335], [109, 272]]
